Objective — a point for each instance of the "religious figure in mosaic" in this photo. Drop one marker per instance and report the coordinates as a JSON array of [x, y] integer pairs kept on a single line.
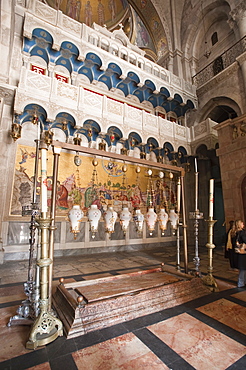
[[100, 12], [112, 8], [88, 13]]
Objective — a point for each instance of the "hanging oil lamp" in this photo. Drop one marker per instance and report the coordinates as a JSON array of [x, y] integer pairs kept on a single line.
[[94, 215], [75, 215], [151, 215], [173, 217], [162, 219], [125, 215], [138, 218], [151, 218], [110, 218], [125, 218]]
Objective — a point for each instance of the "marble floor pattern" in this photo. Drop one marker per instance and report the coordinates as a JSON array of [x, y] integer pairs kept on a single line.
[[206, 333]]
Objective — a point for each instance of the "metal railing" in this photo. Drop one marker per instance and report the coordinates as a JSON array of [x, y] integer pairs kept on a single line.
[[220, 63]]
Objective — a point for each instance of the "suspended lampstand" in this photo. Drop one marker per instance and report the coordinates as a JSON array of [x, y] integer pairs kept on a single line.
[[209, 279], [28, 310], [94, 214], [75, 215], [178, 231], [196, 216], [46, 327], [125, 215]]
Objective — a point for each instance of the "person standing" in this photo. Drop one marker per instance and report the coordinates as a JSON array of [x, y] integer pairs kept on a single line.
[[231, 238], [241, 248]]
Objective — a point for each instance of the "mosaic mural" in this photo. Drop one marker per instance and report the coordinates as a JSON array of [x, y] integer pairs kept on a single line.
[[105, 184]]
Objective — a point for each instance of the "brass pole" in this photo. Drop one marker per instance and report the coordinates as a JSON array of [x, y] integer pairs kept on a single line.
[[178, 231], [184, 226], [56, 154], [209, 279]]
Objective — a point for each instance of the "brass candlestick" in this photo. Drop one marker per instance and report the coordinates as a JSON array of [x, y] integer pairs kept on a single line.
[[46, 327], [209, 279]]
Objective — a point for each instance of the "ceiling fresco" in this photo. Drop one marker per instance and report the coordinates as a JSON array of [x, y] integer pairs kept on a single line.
[[140, 20]]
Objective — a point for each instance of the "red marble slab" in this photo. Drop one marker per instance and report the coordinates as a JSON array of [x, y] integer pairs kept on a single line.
[[124, 284]]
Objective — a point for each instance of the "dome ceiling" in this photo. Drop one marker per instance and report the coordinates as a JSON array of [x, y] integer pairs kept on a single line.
[[141, 22]]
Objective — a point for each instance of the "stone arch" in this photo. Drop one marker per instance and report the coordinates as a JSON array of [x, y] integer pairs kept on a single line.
[[220, 101]]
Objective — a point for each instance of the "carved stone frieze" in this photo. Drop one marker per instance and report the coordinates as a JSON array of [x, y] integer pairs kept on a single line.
[[200, 129], [180, 130], [166, 127], [134, 114], [93, 100], [151, 121], [38, 82], [71, 25], [67, 91], [177, 80], [45, 12], [115, 107]]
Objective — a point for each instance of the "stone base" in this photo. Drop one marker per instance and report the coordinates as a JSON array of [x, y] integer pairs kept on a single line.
[[108, 301]]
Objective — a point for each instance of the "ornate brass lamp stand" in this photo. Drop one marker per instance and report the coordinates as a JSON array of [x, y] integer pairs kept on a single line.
[[178, 231], [46, 327], [29, 308], [196, 216], [209, 279]]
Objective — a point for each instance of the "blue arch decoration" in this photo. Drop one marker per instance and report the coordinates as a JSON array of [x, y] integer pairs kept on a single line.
[[41, 44], [34, 109], [66, 122], [168, 149], [90, 129], [152, 143], [182, 154]]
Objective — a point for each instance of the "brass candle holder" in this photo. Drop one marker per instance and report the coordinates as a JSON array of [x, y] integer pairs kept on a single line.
[[209, 279]]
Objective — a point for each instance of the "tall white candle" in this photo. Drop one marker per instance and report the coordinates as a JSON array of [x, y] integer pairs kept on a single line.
[[178, 195], [43, 181], [196, 165], [196, 191], [211, 198]]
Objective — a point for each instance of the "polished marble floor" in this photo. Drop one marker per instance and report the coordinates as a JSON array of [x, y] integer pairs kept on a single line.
[[206, 333]]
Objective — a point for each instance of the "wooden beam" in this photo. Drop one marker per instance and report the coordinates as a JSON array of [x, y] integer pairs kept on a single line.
[[120, 157]]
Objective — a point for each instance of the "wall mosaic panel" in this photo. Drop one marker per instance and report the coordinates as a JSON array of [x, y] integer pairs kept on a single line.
[[104, 184]]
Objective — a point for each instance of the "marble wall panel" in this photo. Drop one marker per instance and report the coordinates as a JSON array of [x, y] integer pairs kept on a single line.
[[133, 234], [100, 235], [118, 233], [18, 233], [80, 236]]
